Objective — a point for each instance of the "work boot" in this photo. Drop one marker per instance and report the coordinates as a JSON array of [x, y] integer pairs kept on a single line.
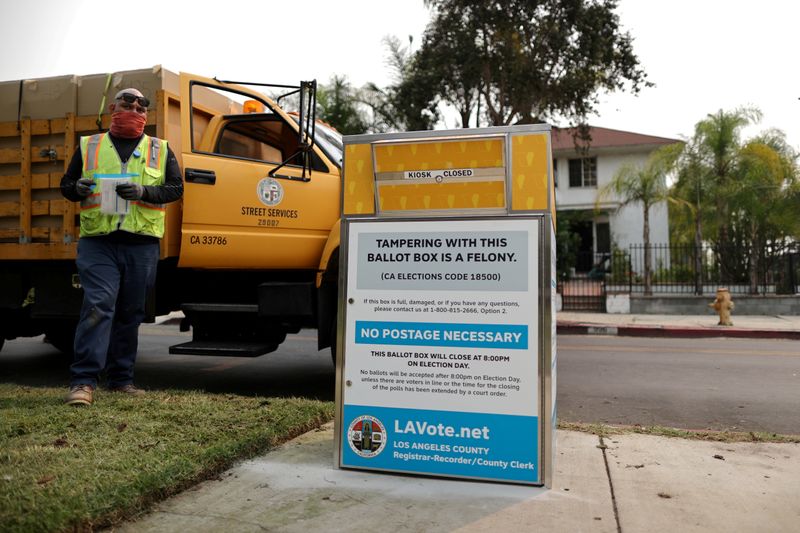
[[79, 395], [130, 389]]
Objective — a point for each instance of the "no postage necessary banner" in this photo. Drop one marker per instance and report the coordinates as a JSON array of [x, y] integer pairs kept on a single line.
[[441, 348]]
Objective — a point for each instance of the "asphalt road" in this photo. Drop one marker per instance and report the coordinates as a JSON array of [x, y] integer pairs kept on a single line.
[[295, 369], [722, 383], [736, 384]]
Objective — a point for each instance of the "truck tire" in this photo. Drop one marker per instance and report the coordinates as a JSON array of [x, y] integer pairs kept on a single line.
[[62, 336]]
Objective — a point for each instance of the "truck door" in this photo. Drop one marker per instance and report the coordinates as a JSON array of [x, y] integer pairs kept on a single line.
[[234, 214]]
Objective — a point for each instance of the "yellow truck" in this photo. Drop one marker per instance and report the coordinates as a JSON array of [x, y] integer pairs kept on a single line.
[[249, 254]]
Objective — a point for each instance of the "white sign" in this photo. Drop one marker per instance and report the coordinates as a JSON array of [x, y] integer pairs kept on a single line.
[[442, 348]]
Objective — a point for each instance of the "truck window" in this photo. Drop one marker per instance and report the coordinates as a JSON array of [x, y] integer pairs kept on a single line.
[[329, 140], [231, 131], [253, 139]]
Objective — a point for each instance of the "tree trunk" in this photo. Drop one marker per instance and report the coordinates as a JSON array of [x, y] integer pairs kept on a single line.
[[465, 109], [478, 108], [725, 274], [464, 119], [648, 290], [698, 250], [752, 260]]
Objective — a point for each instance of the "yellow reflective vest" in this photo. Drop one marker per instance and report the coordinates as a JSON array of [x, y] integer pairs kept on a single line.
[[100, 158]]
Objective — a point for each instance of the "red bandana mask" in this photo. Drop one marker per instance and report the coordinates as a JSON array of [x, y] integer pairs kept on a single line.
[[127, 124]]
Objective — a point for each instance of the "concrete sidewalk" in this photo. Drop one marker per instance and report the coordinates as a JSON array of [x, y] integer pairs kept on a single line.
[[625, 482], [754, 326], [620, 483]]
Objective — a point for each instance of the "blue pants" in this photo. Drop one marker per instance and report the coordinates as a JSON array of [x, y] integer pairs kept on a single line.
[[115, 279]]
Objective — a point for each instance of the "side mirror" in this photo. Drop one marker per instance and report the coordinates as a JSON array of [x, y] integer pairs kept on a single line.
[[305, 132]]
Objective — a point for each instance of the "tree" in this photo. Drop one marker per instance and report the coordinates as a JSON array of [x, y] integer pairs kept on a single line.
[[762, 201], [718, 141], [448, 58], [525, 61], [641, 184], [567, 241], [744, 193], [689, 192], [407, 104], [339, 106]]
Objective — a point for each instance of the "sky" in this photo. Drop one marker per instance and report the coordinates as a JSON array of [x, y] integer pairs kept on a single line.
[[701, 55]]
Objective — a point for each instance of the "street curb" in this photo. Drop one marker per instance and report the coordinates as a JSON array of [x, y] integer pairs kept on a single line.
[[580, 328]]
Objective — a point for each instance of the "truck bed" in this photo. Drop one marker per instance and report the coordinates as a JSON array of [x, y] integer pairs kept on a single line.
[[41, 122]]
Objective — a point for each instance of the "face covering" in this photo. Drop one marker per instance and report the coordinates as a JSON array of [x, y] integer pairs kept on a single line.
[[127, 124]]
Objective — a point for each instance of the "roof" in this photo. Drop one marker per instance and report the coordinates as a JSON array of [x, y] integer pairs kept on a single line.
[[562, 139]]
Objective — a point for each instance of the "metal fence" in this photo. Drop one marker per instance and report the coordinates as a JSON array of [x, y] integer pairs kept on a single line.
[[583, 286], [675, 269], [681, 269], [582, 294]]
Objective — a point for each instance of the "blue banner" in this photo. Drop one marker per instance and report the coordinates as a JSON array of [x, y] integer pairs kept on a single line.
[[508, 336], [477, 445]]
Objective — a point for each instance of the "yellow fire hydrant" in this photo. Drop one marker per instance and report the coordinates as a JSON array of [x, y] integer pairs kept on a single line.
[[723, 305]]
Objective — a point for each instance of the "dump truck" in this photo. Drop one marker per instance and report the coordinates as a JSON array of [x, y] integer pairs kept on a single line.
[[249, 254]]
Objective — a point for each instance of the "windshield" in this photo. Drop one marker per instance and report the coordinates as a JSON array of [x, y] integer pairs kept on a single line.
[[329, 140]]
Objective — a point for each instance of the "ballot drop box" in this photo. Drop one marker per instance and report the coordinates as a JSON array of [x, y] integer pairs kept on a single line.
[[446, 344]]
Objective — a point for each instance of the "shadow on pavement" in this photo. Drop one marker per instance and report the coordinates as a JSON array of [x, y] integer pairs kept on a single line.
[[296, 369]]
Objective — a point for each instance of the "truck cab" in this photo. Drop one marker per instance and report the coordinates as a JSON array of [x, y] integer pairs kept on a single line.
[[260, 204]]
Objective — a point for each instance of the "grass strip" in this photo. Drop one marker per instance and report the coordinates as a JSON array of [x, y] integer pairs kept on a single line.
[[81, 468], [605, 430]]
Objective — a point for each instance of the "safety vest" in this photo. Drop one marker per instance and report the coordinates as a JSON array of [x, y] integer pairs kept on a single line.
[[148, 168]]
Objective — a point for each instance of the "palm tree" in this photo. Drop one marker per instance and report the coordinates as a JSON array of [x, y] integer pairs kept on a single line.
[[688, 191], [641, 184]]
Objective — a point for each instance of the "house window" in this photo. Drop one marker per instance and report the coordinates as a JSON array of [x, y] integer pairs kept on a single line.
[[583, 172]]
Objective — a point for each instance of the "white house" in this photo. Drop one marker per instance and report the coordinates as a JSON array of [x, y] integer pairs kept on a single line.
[[579, 175]]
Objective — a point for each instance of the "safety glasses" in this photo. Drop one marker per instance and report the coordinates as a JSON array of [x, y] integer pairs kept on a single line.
[[131, 98]]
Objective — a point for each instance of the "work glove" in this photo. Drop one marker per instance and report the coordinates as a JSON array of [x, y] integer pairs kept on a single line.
[[84, 186], [130, 191]]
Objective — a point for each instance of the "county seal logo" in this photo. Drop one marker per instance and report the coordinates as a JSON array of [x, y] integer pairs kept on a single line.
[[270, 191], [366, 436]]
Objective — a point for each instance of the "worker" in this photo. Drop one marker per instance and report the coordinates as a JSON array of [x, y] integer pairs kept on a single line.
[[117, 253]]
